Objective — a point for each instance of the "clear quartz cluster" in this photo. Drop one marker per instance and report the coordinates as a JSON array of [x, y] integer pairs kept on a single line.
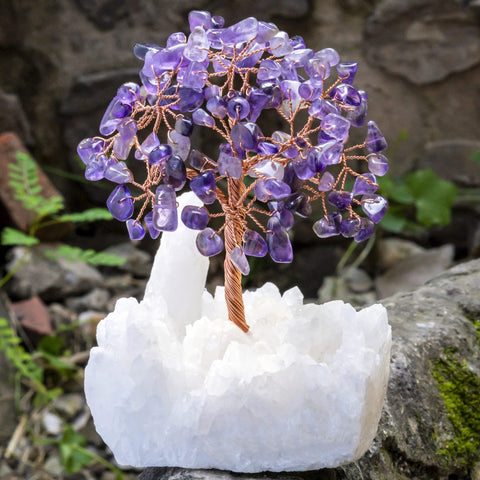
[[172, 383], [223, 78]]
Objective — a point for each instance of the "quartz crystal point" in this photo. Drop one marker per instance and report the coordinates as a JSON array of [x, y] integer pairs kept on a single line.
[[174, 383]]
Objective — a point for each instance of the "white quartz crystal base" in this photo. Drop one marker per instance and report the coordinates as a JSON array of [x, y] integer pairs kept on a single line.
[[174, 383]]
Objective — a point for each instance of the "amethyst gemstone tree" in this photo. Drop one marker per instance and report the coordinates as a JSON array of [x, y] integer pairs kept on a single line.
[[223, 79], [227, 80]]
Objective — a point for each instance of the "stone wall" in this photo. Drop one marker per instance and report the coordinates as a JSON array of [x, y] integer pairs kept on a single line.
[[62, 60]]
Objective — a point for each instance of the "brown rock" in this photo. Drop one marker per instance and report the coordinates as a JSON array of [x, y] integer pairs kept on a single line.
[[34, 317], [15, 213]]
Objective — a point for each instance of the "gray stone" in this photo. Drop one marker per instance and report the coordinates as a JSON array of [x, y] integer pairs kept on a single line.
[[414, 270], [453, 160], [138, 262], [52, 423], [391, 251], [424, 41], [97, 299], [186, 474], [49, 279], [13, 118], [69, 404]]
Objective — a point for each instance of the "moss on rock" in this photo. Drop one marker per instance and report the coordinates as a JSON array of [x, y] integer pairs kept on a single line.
[[459, 388]]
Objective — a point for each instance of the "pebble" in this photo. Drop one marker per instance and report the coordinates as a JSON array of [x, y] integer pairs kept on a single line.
[[97, 299], [70, 404], [53, 466], [393, 250], [52, 423]]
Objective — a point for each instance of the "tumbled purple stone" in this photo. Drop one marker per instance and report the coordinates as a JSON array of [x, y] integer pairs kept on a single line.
[[218, 21], [340, 199], [199, 160], [350, 227], [267, 169], [153, 232], [266, 31], [321, 107], [197, 45], [278, 242], [374, 141], [267, 148], [280, 44], [291, 178], [240, 32], [277, 188], [331, 152], [238, 108], [258, 100], [346, 94], [121, 147], [195, 218], [202, 118], [199, 18], [254, 244], [316, 159], [309, 91], [378, 164], [141, 49], [168, 58], [303, 168], [120, 203], [346, 71], [295, 202], [217, 106], [180, 144], [190, 99], [204, 186], [317, 68], [358, 115], [274, 95], [128, 93], [113, 115], [209, 243], [365, 184], [334, 127], [176, 38], [88, 148], [325, 184], [228, 164], [118, 173], [325, 227], [184, 126], [243, 138], [260, 191], [159, 154], [147, 146], [374, 206], [367, 227], [135, 229], [96, 168], [175, 172], [165, 215], [238, 258], [268, 70]]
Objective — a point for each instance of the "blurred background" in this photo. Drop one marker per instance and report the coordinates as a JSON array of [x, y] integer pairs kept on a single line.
[[61, 61]]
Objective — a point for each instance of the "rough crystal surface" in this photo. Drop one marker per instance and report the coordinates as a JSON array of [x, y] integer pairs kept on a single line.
[[174, 383]]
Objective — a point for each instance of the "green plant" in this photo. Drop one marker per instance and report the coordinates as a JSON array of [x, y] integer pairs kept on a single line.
[[23, 179], [423, 192]]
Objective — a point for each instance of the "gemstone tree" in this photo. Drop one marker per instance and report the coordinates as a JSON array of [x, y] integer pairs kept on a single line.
[[222, 79]]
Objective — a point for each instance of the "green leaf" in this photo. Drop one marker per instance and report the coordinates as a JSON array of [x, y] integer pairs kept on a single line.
[[73, 456], [90, 215], [11, 236], [24, 179], [76, 254], [476, 156], [434, 197], [393, 221], [51, 344]]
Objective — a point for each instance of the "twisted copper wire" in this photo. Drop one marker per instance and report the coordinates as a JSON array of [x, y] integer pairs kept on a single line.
[[234, 227]]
